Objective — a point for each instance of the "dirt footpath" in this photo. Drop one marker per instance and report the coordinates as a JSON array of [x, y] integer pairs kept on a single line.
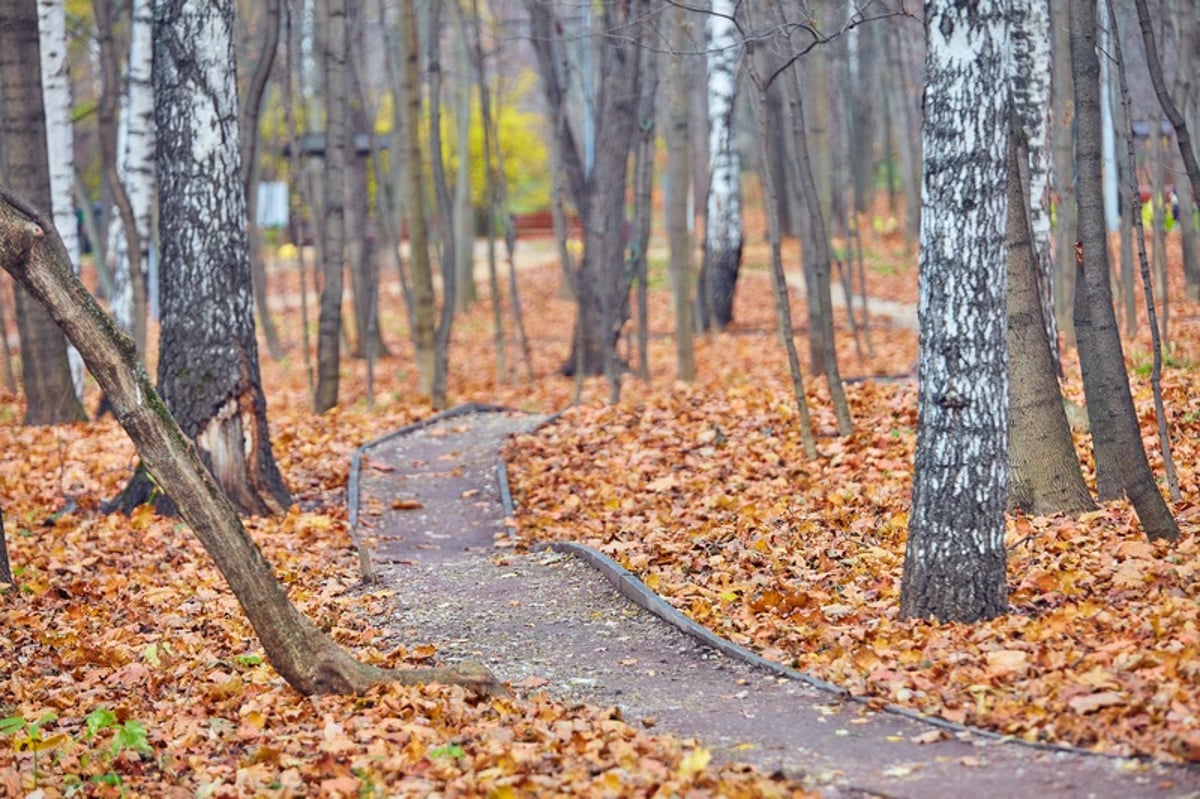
[[427, 506]]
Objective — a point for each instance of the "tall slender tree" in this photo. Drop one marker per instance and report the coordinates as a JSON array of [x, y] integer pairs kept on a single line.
[[135, 173], [130, 293], [678, 188], [424, 299], [50, 396], [208, 356], [954, 565], [723, 221], [1121, 465], [60, 139], [1063, 158], [249, 115], [333, 223]]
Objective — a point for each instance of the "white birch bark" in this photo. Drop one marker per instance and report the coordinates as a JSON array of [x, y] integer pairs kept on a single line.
[[135, 166], [60, 141], [954, 566], [723, 231], [1108, 141], [1031, 98]]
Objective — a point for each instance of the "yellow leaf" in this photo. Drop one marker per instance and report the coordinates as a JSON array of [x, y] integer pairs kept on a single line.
[[694, 762], [502, 792], [34, 743]]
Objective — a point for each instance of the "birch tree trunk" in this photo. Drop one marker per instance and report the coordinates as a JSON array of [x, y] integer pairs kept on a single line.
[[130, 295], [1121, 465], [135, 169], [723, 225], [1031, 98], [60, 141], [208, 355], [954, 565], [45, 371]]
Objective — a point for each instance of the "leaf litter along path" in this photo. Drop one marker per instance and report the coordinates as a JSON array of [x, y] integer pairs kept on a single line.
[[428, 512]]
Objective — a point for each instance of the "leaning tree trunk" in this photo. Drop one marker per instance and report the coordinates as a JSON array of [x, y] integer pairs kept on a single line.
[[723, 223], [954, 565], [1121, 465], [208, 356], [303, 655], [49, 392]]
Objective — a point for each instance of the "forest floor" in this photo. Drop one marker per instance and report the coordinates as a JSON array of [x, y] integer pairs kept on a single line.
[[128, 664], [430, 513]]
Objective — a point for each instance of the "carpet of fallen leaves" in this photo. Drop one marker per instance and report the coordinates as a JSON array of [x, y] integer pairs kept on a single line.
[[701, 489], [127, 668], [704, 492]]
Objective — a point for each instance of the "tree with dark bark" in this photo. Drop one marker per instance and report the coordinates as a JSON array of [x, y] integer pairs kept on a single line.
[[424, 330], [208, 355], [954, 564], [818, 258], [333, 223], [1044, 468], [643, 206], [6, 575], [1121, 465], [1063, 157], [50, 396], [445, 211], [675, 200], [783, 311], [251, 112], [597, 190], [308, 659]]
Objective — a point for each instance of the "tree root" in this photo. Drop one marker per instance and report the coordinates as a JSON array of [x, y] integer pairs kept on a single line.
[[344, 675]]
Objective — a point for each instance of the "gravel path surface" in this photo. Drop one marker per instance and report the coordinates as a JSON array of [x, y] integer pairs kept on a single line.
[[429, 512]]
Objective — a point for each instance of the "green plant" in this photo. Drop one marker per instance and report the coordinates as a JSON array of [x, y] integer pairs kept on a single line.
[[448, 750], [28, 736], [129, 735]]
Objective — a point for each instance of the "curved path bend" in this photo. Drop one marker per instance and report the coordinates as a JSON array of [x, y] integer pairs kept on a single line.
[[428, 513]]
